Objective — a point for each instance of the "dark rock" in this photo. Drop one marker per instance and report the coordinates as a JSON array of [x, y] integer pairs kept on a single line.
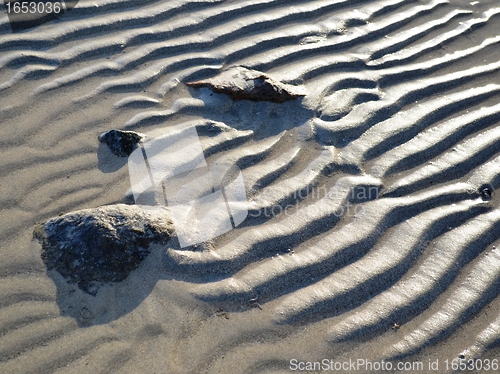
[[103, 244], [486, 193], [244, 84], [121, 143]]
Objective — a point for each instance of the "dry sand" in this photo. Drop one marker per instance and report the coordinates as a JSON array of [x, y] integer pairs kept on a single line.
[[403, 96]]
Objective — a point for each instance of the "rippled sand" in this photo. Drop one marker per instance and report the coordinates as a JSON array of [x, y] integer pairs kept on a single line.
[[371, 234]]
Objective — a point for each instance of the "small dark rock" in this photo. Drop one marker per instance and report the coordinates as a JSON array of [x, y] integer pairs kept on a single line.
[[244, 84], [121, 143], [486, 193], [103, 244]]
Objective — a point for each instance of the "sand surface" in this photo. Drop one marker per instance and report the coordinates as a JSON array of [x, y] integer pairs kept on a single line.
[[372, 234]]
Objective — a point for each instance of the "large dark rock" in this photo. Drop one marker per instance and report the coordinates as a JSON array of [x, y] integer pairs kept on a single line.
[[244, 84], [103, 244], [121, 143]]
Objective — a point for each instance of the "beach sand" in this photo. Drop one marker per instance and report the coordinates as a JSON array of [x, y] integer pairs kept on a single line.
[[374, 227]]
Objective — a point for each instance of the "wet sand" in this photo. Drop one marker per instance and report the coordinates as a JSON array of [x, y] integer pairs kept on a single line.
[[372, 233]]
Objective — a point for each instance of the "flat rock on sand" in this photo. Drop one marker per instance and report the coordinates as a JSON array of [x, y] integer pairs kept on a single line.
[[244, 84], [103, 244], [121, 143]]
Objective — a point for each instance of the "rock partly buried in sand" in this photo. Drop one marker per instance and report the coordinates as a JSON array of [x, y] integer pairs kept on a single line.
[[121, 143], [103, 244], [244, 84]]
